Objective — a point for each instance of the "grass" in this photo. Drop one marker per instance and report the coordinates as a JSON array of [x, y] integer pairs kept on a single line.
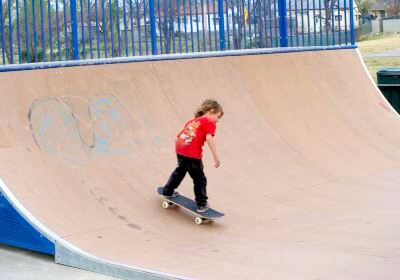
[[375, 64], [379, 43]]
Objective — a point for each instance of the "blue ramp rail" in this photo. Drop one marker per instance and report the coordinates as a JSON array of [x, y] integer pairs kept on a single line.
[[61, 30]]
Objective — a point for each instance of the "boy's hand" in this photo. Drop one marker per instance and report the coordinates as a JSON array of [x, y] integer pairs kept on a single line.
[[217, 162], [211, 144]]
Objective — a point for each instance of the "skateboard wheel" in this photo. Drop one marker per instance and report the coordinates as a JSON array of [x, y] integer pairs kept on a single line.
[[165, 205], [198, 220]]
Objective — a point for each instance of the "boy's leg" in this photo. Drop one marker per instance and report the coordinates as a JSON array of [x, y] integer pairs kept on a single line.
[[195, 169], [176, 177]]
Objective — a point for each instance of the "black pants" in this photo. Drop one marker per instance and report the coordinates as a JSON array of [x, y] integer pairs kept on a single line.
[[195, 168]]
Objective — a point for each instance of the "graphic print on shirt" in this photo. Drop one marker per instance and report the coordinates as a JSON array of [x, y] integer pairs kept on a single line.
[[189, 133]]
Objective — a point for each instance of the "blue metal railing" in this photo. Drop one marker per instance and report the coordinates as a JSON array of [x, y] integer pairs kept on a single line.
[[60, 30]]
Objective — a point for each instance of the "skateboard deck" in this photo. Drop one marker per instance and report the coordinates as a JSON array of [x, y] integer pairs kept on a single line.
[[189, 205]]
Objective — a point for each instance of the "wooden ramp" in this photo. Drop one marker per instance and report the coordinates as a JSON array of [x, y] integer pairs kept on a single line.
[[309, 182]]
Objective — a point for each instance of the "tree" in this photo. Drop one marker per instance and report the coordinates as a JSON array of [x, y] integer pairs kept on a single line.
[[366, 7], [329, 8], [393, 7]]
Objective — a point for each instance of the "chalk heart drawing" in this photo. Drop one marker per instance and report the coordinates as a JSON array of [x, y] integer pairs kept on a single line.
[[74, 127]]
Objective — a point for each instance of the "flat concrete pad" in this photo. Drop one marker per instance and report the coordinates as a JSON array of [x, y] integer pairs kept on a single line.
[[18, 264]]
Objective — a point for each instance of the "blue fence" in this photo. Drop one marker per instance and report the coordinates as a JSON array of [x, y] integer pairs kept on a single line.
[[58, 30]]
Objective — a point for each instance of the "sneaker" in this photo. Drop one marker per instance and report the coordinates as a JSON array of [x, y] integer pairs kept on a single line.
[[204, 208], [175, 194]]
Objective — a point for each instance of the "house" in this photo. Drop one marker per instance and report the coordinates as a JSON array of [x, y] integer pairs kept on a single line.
[[380, 9], [314, 19]]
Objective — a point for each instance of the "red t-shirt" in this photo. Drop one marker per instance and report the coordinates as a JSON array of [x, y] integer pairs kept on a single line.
[[190, 140]]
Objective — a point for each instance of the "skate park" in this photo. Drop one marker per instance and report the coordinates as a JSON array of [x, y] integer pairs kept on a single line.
[[308, 144]]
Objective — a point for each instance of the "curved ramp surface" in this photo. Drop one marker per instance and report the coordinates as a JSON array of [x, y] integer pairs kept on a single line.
[[309, 179]]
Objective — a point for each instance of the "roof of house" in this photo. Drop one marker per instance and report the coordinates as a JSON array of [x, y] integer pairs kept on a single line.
[[380, 5], [316, 4]]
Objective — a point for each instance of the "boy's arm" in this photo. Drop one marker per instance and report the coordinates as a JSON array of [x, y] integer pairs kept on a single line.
[[213, 148]]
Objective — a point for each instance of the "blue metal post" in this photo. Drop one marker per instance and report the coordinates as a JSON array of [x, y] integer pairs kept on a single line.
[[153, 28], [138, 26], [291, 24], [119, 28], [339, 22], [125, 31], [18, 34], [179, 27], [333, 21], [202, 22], [44, 51], [172, 23], [2, 34], [352, 34], [197, 25], [320, 24], [209, 26], [10, 33], [160, 28], [276, 23], [89, 20], [103, 12], [249, 22], [227, 24], [215, 26], [315, 25], [96, 11], [191, 24], [244, 24], [345, 22], [297, 23], [58, 33], [34, 30], [282, 23], [82, 30], [50, 29], [221, 25], [132, 36], [239, 29], [302, 24], [146, 37], [74, 26], [270, 23], [185, 26], [166, 30], [112, 27], [28, 59], [308, 23]]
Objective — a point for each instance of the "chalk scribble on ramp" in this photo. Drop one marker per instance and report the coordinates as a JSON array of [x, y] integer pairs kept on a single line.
[[309, 178]]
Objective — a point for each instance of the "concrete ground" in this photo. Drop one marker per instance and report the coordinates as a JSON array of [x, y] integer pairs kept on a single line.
[[18, 264], [385, 54]]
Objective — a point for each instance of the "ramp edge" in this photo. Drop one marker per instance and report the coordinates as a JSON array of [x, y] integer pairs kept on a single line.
[[116, 60], [69, 257], [387, 103], [68, 254]]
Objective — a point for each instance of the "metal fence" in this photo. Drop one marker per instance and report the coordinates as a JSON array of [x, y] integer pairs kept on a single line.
[[56, 30], [363, 30]]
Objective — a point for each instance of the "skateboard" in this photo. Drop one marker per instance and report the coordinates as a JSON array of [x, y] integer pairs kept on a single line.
[[189, 205]]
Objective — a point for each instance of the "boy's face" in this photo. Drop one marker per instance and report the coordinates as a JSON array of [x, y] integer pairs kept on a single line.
[[215, 116]]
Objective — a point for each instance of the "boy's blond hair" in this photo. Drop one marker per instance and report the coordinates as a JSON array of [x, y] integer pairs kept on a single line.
[[207, 106]]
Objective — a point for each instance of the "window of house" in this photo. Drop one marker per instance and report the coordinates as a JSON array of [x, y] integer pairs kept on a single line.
[[338, 18]]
